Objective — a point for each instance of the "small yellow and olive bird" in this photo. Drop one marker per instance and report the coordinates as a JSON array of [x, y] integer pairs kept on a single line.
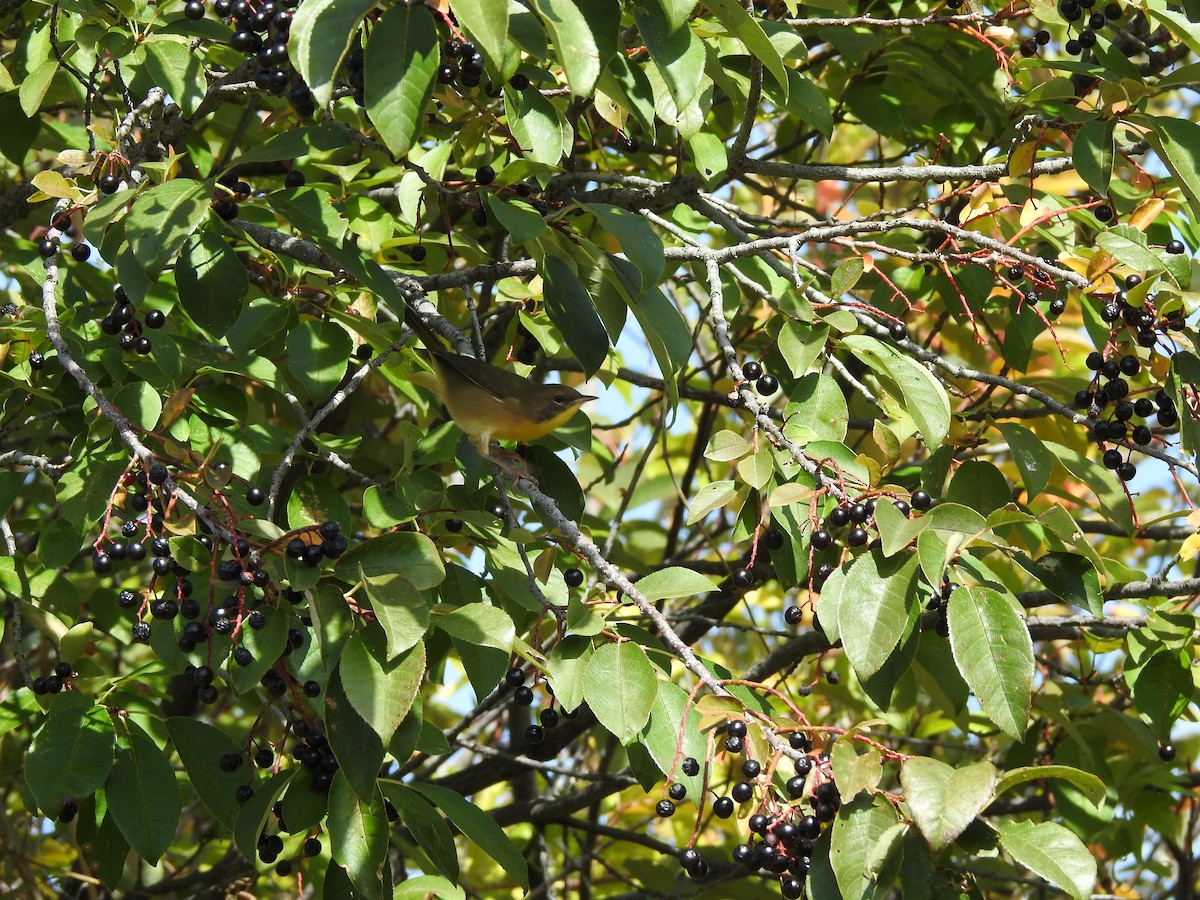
[[490, 403]]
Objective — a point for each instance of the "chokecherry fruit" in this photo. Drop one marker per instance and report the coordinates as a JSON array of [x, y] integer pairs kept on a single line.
[[742, 578], [690, 767], [665, 809], [573, 577], [752, 370], [793, 615], [677, 791], [767, 385], [921, 500], [897, 331], [723, 807], [1175, 247]]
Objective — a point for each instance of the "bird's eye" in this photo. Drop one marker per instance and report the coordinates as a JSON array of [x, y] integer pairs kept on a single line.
[[560, 399]]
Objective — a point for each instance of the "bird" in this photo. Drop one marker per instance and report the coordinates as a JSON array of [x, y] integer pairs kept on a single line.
[[490, 403]]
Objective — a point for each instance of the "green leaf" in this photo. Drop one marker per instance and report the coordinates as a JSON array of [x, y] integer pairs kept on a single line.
[[33, 88], [381, 694], [59, 543], [808, 103], [146, 795], [400, 608], [896, 530], [1177, 142], [480, 829], [304, 806], [1185, 370], [620, 687], [858, 828], [358, 835], [576, 47], [979, 486], [1129, 246], [711, 497], [427, 886], [1093, 153], [211, 282], [355, 744], [103, 846], [992, 649], [674, 582], [802, 345], [200, 747], [293, 144], [1102, 482], [478, 623], [924, 396], [518, 218], [399, 68], [398, 551], [538, 126], [177, 69], [573, 312], [675, 51], [641, 245], [428, 828], [317, 355], [1092, 787], [1162, 688], [750, 32], [266, 645], [487, 21], [1053, 852], [944, 800], [855, 772], [252, 816], [1034, 461], [566, 668], [818, 404], [72, 753], [664, 730], [884, 602], [846, 276], [320, 38], [162, 219], [1070, 577]]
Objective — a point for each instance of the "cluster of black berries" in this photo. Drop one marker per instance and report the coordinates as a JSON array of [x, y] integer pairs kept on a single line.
[[229, 192], [939, 602], [780, 842], [1110, 394], [354, 74], [1075, 11], [52, 684], [332, 545], [765, 383], [312, 751], [548, 717], [261, 31], [464, 65], [122, 319], [1031, 297]]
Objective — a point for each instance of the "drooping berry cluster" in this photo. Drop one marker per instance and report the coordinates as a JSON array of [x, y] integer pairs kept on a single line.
[[122, 319], [1111, 396], [261, 31], [523, 695], [783, 830]]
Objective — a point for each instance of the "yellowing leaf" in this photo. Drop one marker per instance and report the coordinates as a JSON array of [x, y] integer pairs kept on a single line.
[[1146, 213], [52, 184], [1191, 547], [1020, 161]]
